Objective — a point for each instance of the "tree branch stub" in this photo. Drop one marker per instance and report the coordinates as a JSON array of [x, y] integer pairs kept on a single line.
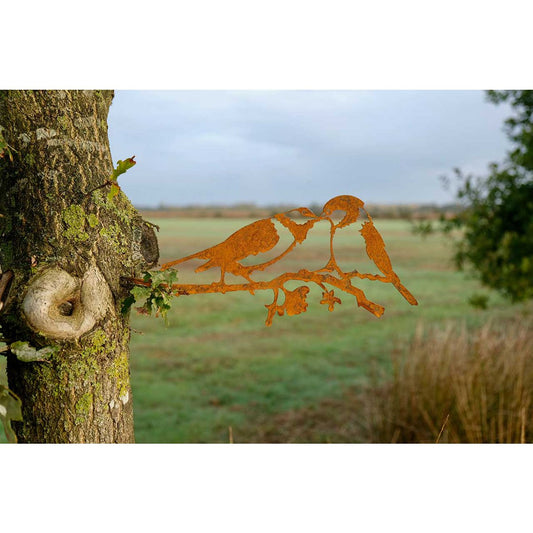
[[64, 307]]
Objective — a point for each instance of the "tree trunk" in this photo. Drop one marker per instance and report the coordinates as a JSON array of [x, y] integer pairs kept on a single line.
[[68, 246]]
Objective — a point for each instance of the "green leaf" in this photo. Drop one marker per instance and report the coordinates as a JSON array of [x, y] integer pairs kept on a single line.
[[10, 409], [113, 191], [137, 294], [140, 293], [157, 297], [496, 219], [172, 276], [122, 166], [29, 354], [158, 278], [127, 303]]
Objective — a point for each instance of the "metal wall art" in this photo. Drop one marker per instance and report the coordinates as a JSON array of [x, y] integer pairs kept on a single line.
[[262, 236]]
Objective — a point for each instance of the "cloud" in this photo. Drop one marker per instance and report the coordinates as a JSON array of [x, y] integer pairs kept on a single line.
[[300, 147]]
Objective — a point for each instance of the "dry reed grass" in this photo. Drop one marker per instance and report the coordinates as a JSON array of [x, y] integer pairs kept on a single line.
[[457, 386]]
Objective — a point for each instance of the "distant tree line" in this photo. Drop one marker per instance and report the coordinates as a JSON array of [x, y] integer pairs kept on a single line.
[[389, 211]]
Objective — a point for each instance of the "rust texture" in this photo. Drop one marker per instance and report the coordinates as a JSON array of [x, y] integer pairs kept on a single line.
[[262, 236]]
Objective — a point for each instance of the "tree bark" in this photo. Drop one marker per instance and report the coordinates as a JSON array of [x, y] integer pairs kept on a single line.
[[68, 246]]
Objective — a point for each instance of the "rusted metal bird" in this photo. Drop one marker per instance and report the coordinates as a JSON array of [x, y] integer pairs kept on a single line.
[[375, 249], [256, 238], [375, 246], [349, 204]]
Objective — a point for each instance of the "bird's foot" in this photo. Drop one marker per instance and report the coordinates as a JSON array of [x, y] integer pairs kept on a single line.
[[218, 286]]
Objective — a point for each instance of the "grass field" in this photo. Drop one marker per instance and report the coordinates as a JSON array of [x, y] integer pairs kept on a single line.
[[217, 366]]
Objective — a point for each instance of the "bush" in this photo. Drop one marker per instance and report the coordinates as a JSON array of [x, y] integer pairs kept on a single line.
[[458, 387], [498, 217], [479, 301], [498, 232]]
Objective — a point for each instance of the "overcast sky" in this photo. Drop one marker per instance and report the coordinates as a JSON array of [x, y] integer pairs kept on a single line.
[[300, 147]]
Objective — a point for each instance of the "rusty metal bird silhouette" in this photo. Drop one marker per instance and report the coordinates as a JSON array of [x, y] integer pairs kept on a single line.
[[375, 246], [255, 238], [375, 249], [349, 204], [262, 236]]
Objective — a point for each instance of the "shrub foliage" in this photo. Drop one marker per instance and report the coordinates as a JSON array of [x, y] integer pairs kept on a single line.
[[498, 217]]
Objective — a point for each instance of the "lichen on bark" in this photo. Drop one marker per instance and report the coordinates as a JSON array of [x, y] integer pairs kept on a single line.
[[57, 222]]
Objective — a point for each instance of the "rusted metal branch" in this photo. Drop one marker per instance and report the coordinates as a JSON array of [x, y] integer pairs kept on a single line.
[[262, 236]]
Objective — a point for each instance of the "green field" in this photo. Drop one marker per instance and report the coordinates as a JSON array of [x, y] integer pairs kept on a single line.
[[217, 366]]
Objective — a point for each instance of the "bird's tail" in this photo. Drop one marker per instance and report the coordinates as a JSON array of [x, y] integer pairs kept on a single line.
[[405, 293], [198, 255]]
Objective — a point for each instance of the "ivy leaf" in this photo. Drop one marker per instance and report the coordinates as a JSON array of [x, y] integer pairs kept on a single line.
[[140, 293], [157, 297], [172, 276], [10, 409], [127, 303], [137, 294]]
